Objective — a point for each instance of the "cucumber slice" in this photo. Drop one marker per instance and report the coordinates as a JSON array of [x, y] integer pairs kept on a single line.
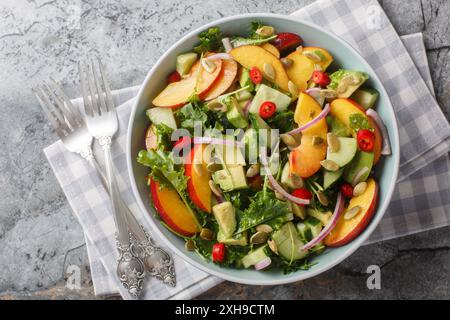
[[162, 115], [289, 243], [255, 256], [185, 62], [365, 97], [330, 177]]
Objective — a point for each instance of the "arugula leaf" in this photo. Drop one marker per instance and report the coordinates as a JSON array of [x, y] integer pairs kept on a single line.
[[358, 121], [191, 114], [284, 121], [264, 207], [210, 40], [241, 41], [163, 136]]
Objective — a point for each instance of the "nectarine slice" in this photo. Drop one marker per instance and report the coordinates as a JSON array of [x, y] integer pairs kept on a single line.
[[347, 230], [172, 210], [306, 110], [301, 70], [224, 81], [272, 49], [199, 176], [327, 58], [343, 108], [304, 161], [255, 56], [176, 94]]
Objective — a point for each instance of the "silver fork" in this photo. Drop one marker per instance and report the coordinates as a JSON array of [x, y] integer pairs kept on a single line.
[[70, 126]]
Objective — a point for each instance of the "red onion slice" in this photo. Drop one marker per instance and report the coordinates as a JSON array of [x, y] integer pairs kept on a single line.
[[331, 224], [321, 115], [315, 93], [246, 107], [358, 176], [219, 56], [386, 150], [264, 263], [209, 140], [227, 44], [274, 182]]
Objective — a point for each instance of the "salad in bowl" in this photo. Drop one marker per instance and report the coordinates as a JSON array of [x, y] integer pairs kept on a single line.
[[262, 151]]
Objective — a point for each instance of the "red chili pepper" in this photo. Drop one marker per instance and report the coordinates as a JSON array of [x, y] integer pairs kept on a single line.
[[255, 75], [173, 77], [366, 140], [302, 193], [218, 252], [267, 109], [347, 190], [321, 78]]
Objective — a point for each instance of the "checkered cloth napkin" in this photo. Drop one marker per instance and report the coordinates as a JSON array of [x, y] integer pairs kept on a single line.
[[422, 197]]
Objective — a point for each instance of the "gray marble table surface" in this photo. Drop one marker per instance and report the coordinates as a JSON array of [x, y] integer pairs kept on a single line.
[[39, 237]]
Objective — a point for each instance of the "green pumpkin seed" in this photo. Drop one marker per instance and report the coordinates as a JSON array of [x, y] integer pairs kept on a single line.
[[359, 189], [329, 165], [350, 213], [333, 142]]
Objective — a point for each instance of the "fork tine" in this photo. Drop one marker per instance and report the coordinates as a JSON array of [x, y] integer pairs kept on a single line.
[[109, 100], [68, 116], [95, 106], [100, 97], [88, 107], [70, 107], [45, 103]]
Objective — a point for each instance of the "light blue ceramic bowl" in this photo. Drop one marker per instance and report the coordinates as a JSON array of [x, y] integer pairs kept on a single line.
[[345, 56]]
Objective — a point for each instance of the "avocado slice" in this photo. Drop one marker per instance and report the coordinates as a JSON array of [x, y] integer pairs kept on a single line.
[[241, 240], [226, 218], [365, 97], [346, 152], [185, 62], [338, 128], [330, 177], [235, 114], [336, 80], [362, 159], [289, 243], [231, 178], [266, 93]]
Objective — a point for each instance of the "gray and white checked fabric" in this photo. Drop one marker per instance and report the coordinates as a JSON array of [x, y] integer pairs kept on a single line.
[[421, 200]]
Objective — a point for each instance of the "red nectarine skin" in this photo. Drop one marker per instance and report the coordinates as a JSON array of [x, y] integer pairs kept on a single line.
[[336, 239], [197, 186], [172, 210]]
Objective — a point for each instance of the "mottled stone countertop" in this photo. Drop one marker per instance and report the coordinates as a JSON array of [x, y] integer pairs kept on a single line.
[[39, 236]]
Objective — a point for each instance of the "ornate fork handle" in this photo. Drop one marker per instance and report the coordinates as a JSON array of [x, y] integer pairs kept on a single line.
[[157, 261]]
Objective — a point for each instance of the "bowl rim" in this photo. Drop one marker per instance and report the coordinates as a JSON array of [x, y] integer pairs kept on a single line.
[[353, 245]]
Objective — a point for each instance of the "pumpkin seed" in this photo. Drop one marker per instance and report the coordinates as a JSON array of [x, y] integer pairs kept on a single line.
[[209, 66], [206, 234], [347, 80], [312, 56], [265, 31], [356, 80], [333, 142], [342, 87], [264, 228], [216, 105], [329, 165], [296, 180], [318, 67], [253, 170], [287, 63], [259, 237], [299, 49], [288, 140], [273, 246], [292, 89], [279, 196], [213, 166], [328, 93], [359, 189], [215, 189], [269, 71], [322, 198], [317, 141], [352, 212], [189, 245]]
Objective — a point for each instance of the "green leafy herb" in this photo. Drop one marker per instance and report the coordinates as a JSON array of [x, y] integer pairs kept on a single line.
[[302, 264], [255, 25], [264, 207], [284, 121], [359, 121], [210, 40], [190, 115], [163, 136]]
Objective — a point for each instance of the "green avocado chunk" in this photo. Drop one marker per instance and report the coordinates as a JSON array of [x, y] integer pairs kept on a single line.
[[361, 160], [226, 218], [231, 178], [348, 81]]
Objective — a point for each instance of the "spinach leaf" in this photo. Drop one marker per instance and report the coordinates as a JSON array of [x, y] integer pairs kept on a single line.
[[210, 40]]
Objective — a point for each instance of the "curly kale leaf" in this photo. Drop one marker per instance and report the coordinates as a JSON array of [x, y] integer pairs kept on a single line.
[[163, 136], [210, 40], [191, 115]]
